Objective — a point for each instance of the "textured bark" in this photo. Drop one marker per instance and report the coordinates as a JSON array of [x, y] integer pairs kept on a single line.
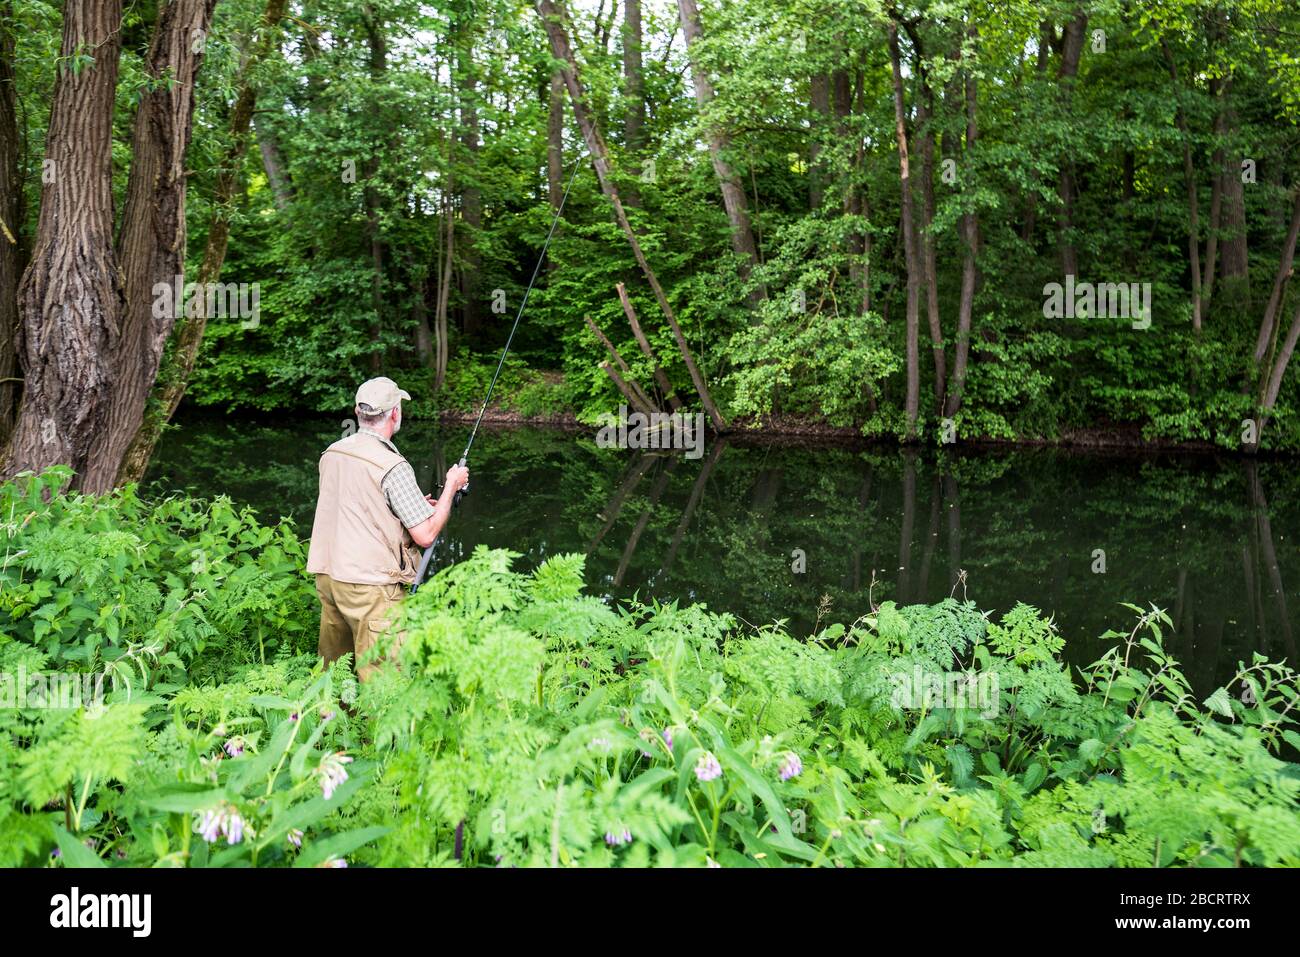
[[11, 216], [634, 96], [151, 242], [911, 254], [733, 193], [554, 20], [188, 335], [71, 298]]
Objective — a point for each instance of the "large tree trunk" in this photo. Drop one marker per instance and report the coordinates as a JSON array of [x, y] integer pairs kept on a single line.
[[151, 243], [634, 96], [911, 254], [733, 193], [71, 299], [11, 215], [189, 329], [554, 20]]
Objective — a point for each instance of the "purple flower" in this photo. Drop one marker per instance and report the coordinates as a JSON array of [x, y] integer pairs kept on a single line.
[[615, 838], [791, 767], [56, 853], [332, 773], [707, 767], [668, 738], [293, 716], [294, 837], [235, 746], [333, 862], [223, 820], [326, 715]]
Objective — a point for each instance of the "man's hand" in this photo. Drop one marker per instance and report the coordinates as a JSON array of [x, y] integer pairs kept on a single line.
[[457, 479], [427, 531]]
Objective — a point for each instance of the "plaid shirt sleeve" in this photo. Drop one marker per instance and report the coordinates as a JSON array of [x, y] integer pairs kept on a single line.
[[404, 496]]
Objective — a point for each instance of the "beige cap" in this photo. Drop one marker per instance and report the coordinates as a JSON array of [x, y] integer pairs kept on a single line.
[[380, 395]]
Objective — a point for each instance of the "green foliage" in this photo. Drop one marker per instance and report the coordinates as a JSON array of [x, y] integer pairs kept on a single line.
[[554, 729]]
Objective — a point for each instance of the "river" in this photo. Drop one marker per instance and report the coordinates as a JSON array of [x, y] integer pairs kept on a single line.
[[818, 534]]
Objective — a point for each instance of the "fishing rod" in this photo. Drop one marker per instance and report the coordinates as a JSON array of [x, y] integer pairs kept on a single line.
[[423, 569]]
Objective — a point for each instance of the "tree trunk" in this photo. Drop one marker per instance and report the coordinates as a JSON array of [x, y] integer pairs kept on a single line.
[[970, 274], [273, 164], [1284, 269], [471, 196], [151, 242], [910, 254], [378, 47], [442, 352], [1071, 53], [1189, 182], [819, 101], [11, 215], [733, 193], [925, 119], [634, 96], [1234, 251], [71, 299], [189, 330], [553, 19]]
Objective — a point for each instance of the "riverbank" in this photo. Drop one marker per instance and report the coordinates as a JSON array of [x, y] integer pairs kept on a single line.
[[814, 431]]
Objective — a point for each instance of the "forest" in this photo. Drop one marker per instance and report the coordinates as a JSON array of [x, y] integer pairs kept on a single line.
[[858, 214], [983, 555]]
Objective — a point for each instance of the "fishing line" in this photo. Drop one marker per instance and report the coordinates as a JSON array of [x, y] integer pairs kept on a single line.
[[555, 221]]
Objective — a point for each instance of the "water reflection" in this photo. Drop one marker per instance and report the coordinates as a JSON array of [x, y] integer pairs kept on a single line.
[[1210, 540]]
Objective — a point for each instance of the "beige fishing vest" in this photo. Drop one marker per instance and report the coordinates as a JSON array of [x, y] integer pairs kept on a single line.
[[356, 538]]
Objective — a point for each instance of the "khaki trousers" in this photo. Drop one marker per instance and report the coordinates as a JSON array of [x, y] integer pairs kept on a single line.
[[352, 617]]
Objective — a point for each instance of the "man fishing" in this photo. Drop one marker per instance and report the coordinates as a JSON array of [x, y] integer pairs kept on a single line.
[[370, 515]]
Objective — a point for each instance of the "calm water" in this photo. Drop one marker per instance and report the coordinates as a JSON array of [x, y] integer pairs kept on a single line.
[[1211, 540]]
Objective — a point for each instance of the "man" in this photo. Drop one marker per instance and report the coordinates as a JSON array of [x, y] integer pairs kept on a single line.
[[370, 516]]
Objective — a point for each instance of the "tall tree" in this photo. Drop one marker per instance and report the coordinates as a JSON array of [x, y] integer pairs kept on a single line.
[[151, 242], [554, 20], [733, 192], [634, 97], [71, 298], [188, 335], [911, 250], [10, 220]]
